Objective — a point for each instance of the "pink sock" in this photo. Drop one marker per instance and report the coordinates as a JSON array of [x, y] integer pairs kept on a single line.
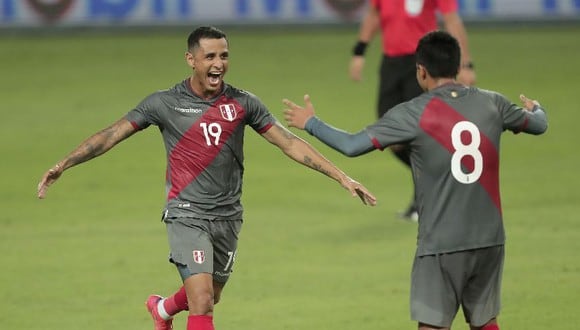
[[176, 303], [493, 326], [200, 322]]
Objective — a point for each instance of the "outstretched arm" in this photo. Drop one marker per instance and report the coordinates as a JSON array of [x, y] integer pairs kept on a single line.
[[302, 152], [92, 147], [346, 143]]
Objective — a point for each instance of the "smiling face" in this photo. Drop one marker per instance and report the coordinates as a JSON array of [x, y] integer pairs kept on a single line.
[[209, 61]]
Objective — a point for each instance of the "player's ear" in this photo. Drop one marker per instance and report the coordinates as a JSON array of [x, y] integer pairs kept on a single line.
[[422, 72], [190, 59]]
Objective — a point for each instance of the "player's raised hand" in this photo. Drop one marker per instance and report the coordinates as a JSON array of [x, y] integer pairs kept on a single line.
[[49, 178], [297, 116], [357, 189], [529, 104]]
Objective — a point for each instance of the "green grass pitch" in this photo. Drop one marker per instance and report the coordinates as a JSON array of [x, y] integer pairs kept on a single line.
[[310, 256]]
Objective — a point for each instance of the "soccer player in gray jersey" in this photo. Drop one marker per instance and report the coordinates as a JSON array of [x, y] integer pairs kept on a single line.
[[202, 121], [453, 132]]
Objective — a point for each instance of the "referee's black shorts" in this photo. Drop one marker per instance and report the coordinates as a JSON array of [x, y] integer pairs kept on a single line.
[[398, 82]]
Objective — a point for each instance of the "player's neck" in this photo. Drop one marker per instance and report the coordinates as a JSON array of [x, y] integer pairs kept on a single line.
[[198, 89], [436, 83]]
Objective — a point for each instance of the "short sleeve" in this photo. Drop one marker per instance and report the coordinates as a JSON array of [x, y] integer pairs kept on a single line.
[[397, 126], [258, 116], [514, 117], [146, 113]]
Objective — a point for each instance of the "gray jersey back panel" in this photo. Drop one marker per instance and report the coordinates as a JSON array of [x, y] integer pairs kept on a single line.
[[454, 135]]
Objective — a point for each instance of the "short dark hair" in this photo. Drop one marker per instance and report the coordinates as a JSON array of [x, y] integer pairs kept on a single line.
[[439, 53], [204, 32]]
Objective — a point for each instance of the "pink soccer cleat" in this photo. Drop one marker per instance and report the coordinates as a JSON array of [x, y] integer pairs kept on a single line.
[[158, 321]]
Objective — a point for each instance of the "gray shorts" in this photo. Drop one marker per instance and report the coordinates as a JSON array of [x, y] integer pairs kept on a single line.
[[203, 246], [470, 279]]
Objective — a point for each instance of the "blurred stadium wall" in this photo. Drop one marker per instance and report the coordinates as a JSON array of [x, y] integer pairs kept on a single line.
[[16, 14]]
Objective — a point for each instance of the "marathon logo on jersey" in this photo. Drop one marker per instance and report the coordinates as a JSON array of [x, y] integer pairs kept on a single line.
[[198, 256], [228, 111]]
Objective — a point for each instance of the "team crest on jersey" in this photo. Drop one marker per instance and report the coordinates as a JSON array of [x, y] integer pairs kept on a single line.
[[228, 111], [198, 256]]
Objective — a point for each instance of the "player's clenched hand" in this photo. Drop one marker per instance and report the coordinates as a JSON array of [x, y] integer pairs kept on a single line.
[[297, 116], [357, 189], [529, 104], [49, 178]]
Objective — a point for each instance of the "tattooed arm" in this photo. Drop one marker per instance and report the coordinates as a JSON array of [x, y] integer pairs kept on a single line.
[[302, 152], [92, 147]]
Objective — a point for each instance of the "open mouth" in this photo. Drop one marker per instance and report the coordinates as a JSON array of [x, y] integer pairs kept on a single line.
[[214, 78]]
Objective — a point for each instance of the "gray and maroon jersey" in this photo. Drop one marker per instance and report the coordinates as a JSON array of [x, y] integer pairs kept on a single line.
[[454, 135], [204, 146]]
